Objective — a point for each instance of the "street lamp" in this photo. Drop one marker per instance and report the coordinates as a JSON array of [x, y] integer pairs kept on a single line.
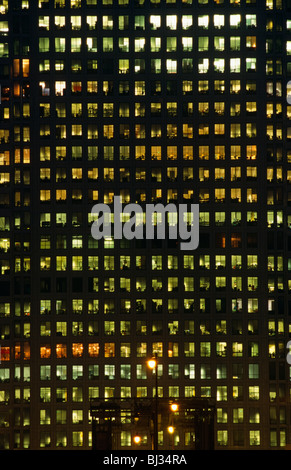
[[174, 407], [171, 429], [153, 364], [137, 439]]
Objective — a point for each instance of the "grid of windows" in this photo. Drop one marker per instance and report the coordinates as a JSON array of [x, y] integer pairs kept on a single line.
[[155, 101]]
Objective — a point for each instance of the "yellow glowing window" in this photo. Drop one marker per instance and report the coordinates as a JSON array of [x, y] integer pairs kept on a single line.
[[77, 263], [60, 87], [203, 21], [234, 21]]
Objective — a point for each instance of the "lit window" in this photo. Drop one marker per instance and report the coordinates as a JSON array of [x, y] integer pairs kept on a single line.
[[76, 44], [107, 22], [235, 21], [60, 44], [219, 43], [218, 21], [203, 65], [171, 22], [44, 45], [155, 22], [187, 21], [203, 21], [77, 349]]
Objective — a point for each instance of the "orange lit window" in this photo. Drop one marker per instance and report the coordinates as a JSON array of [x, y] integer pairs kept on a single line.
[[17, 156], [93, 349], [25, 67], [220, 240], [16, 90], [109, 349], [235, 240], [45, 352], [77, 349], [17, 351], [16, 67], [61, 350], [5, 353], [26, 351]]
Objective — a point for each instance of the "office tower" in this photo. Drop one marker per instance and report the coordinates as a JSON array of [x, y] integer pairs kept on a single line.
[[171, 101]]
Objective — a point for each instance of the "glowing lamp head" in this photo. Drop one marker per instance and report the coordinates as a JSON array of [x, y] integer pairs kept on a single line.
[[174, 407], [152, 363], [137, 439]]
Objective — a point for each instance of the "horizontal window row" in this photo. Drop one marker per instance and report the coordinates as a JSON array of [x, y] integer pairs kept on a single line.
[[151, 22], [98, 43], [63, 416], [173, 306], [95, 306], [273, 220], [218, 195], [77, 263], [142, 131], [78, 416], [173, 66], [76, 4], [154, 109], [155, 262], [168, 175], [143, 109], [139, 131], [77, 394], [109, 350], [108, 88], [154, 44], [62, 394], [205, 195], [173, 327], [141, 152], [128, 372], [93, 350], [75, 219], [171, 196], [80, 439], [140, 372], [154, 152], [186, 284], [63, 263]]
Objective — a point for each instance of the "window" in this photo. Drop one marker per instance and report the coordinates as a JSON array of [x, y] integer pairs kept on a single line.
[[43, 46], [76, 44]]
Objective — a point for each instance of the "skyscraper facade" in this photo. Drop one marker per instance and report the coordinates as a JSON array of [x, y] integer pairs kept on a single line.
[[155, 101]]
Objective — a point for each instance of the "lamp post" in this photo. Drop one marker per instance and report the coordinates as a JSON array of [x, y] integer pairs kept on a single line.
[[174, 407], [171, 431], [153, 364]]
